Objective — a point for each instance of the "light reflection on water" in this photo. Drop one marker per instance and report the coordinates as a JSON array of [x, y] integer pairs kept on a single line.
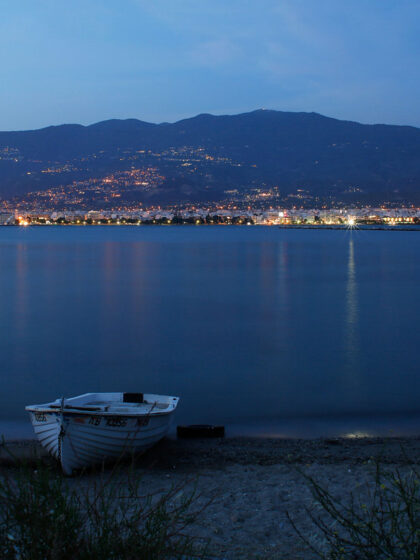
[[248, 325], [352, 353]]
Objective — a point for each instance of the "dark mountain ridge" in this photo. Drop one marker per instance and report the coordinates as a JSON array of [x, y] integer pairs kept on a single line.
[[287, 149]]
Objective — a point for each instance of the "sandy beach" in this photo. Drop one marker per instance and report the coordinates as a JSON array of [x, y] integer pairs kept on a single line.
[[247, 485]]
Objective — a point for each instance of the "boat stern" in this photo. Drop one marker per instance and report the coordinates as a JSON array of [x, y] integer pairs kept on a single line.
[[47, 428]]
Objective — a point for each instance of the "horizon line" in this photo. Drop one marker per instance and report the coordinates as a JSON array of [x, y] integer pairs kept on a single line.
[[205, 114]]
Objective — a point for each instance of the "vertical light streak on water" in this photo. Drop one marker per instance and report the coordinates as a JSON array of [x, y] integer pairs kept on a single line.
[[282, 309], [352, 343], [19, 319], [109, 266], [283, 304], [282, 265], [21, 295]]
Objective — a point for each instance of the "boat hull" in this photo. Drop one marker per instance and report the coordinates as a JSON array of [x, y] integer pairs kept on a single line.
[[81, 440]]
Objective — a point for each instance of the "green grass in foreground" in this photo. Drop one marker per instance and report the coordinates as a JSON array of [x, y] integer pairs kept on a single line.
[[384, 524], [45, 516]]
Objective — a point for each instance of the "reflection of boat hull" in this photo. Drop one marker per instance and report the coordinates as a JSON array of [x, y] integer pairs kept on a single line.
[[79, 438]]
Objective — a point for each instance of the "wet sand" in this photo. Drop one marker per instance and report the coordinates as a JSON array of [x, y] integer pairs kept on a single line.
[[247, 486]]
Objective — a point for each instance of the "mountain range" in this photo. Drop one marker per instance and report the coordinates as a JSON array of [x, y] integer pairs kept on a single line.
[[205, 156]]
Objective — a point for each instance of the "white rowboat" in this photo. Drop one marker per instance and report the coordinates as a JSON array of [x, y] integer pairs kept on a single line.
[[95, 427]]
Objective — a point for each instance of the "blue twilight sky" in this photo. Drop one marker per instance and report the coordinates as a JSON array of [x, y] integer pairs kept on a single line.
[[161, 60]]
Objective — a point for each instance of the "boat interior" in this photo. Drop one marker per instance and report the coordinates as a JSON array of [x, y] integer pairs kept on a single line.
[[118, 403]]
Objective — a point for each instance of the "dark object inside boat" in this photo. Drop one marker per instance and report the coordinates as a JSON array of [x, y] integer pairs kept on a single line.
[[200, 431], [133, 397]]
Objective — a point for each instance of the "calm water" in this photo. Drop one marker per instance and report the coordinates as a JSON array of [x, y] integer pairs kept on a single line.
[[287, 332]]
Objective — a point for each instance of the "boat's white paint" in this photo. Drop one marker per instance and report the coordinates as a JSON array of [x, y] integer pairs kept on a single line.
[[96, 427]]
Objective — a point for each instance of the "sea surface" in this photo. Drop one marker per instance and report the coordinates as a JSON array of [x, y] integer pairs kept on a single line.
[[270, 331]]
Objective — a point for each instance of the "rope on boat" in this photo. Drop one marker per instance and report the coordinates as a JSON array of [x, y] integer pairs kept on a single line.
[[63, 433]]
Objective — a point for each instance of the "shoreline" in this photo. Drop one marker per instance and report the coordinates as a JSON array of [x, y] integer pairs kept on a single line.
[[343, 227], [198, 453]]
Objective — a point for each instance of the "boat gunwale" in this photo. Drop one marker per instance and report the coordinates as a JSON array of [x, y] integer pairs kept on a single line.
[[135, 414]]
